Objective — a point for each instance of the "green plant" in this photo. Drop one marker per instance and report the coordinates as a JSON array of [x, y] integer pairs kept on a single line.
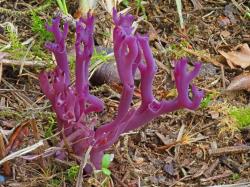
[[62, 6], [177, 50], [206, 100], [72, 172], [17, 49], [140, 6], [125, 2], [13, 37], [247, 15], [51, 126], [106, 160], [55, 182], [100, 56], [38, 27], [235, 176], [241, 115]]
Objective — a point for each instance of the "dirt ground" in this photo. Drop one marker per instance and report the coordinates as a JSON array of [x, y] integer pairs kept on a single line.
[[205, 147]]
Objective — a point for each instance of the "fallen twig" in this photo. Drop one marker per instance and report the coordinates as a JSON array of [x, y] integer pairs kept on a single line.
[[227, 173], [22, 152], [200, 171], [179, 137], [29, 63], [212, 167], [229, 150], [244, 184], [230, 164], [84, 161]]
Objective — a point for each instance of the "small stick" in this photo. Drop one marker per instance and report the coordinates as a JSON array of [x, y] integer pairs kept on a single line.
[[237, 5], [227, 173], [1, 71], [229, 150], [84, 162], [210, 170], [223, 77], [200, 171], [29, 63], [179, 137], [232, 165]]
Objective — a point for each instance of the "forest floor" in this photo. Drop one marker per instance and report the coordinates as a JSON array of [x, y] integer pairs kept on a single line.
[[206, 147]]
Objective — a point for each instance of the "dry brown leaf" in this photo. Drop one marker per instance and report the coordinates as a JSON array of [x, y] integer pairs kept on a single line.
[[240, 56], [241, 82], [18, 134]]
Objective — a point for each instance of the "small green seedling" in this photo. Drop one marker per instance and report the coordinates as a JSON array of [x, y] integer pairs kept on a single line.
[[206, 100], [106, 173], [106, 160]]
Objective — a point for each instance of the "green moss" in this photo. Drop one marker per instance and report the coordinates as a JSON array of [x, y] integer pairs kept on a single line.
[[38, 52], [176, 50], [17, 50], [10, 114], [54, 182], [49, 130], [72, 172], [38, 27], [235, 176], [241, 115]]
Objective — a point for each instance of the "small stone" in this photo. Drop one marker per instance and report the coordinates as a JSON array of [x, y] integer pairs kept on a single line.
[[225, 34], [169, 168], [138, 160]]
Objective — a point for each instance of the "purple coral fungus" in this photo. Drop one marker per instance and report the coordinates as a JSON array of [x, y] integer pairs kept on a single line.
[[72, 104]]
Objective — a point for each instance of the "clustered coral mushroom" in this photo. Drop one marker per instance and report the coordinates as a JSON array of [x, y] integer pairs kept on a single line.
[[73, 103]]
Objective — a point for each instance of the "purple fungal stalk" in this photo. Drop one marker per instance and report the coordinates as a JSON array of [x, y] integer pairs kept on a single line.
[[73, 103]]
